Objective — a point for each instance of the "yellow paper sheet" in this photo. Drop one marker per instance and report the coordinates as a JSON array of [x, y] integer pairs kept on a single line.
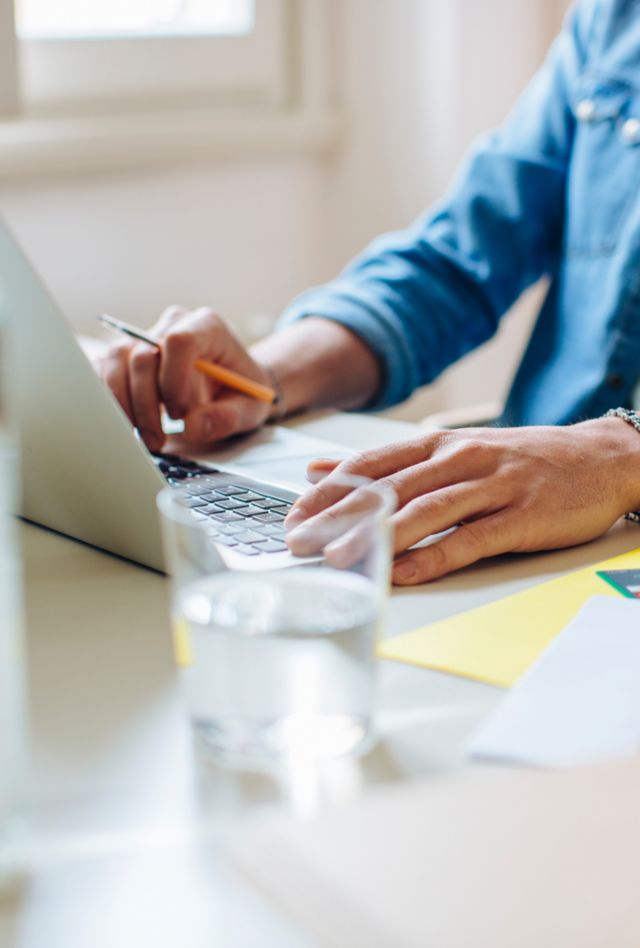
[[497, 642]]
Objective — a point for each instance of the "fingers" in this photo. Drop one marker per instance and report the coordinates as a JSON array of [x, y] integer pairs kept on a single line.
[[116, 366], [351, 547], [185, 392], [424, 516], [114, 372], [343, 525], [145, 379], [316, 500], [319, 468], [375, 464], [228, 415], [401, 466], [381, 462], [488, 536], [145, 397], [182, 344], [439, 510]]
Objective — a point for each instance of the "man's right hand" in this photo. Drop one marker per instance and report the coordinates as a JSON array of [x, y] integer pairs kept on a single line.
[[144, 379]]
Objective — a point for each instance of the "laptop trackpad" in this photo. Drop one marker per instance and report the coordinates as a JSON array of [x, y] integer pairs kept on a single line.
[[273, 453]]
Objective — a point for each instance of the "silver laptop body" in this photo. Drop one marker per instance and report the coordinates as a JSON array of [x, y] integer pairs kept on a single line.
[[84, 471]]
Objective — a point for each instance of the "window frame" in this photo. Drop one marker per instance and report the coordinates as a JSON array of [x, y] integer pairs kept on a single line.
[[289, 106], [8, 61], [78, 75]]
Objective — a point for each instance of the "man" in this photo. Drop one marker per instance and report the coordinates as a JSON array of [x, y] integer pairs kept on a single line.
[[554, 192]]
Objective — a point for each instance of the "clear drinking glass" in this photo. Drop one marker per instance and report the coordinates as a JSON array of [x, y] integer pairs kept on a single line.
[[279, 664]]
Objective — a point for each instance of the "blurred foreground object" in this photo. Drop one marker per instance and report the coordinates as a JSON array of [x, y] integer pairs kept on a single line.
[[12, 705]]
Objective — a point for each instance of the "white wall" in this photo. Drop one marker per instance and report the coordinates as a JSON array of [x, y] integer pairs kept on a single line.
[[417, 80], [240, 236]]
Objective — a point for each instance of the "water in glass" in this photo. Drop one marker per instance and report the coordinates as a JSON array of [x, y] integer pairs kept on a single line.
[[280, 664]]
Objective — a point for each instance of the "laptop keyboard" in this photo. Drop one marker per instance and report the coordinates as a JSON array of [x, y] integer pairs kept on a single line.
[[242, 517]]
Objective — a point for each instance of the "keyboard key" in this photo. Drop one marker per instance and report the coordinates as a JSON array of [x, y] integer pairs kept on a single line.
[[249, 510], [249, 536], [230, 504], [225, 516], [271, 546], [246, 550], [211, 496], [269, 517], [197, 515], [249, 496], [196, 502], [269, 529], [205, 483], [194, 489], [268, 502], [210, 509], [230, 529], [229, 489], [226, 541]]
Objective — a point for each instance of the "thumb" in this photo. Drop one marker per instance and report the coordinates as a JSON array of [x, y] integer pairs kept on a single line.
[[226, 416]]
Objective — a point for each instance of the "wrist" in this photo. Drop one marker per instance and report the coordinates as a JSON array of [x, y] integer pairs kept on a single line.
[[318, 364], [278, 406], [619, 439]]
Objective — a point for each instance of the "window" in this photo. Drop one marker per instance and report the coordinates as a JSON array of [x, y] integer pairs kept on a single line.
[[40, 19], [78, 56], [86, 85]]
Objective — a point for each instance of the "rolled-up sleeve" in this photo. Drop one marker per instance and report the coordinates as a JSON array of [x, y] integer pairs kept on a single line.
[[423, 297]]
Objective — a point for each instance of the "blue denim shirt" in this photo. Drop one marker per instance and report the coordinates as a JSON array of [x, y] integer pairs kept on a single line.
[[555, 192]]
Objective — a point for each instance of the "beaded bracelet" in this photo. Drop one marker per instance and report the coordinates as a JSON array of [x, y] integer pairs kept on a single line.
[[632, 418]]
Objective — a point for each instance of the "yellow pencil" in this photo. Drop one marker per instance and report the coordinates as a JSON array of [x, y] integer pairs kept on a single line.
[[234, 380], [228, 377]]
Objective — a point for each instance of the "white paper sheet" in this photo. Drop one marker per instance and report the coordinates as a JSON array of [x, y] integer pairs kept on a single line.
[[580, 702]]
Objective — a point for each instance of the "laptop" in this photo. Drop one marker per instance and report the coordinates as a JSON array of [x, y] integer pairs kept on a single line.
[[85, 472]]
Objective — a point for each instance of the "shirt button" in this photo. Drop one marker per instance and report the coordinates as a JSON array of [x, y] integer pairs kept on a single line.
[[615, 381], [630, 131], [585, 110]]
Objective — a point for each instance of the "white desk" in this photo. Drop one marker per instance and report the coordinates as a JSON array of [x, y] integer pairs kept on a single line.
[[128, 816]]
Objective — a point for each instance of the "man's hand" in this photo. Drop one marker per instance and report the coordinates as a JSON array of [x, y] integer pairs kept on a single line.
[[503, 490], [144, 379]]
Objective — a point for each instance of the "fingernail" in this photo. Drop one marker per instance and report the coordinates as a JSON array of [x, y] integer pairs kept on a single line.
[[339, 552], [302, 541], [299, 533], [318, 469], [405, 572], [315, 475], [293, 518]]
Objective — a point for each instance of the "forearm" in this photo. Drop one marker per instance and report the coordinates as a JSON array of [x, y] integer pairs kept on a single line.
[[319, 363]]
